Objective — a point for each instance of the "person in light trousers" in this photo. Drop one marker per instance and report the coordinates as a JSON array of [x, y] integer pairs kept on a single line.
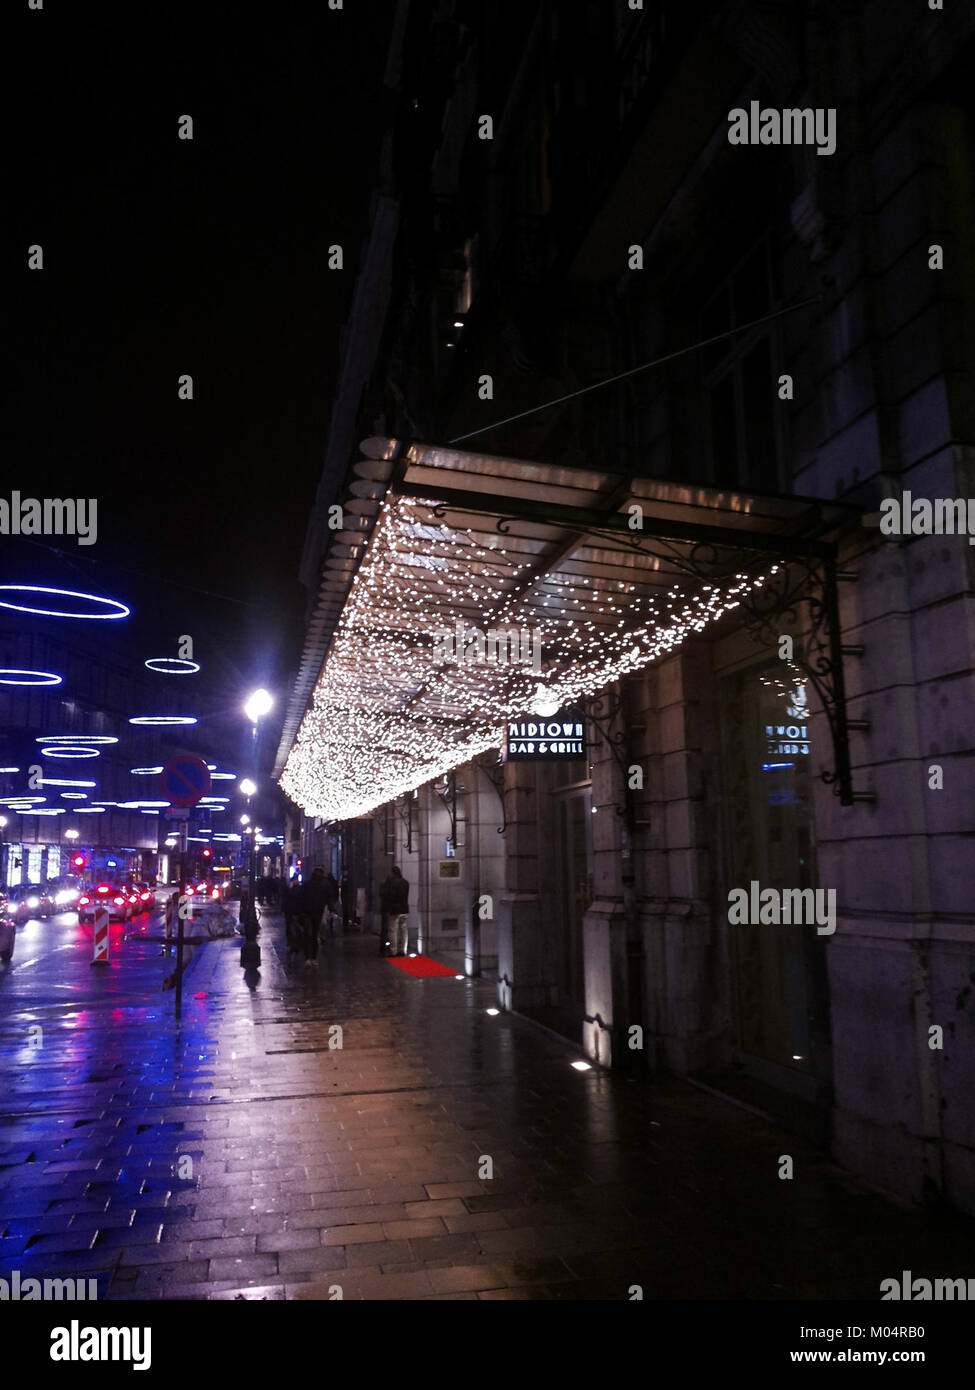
[[394, 902]]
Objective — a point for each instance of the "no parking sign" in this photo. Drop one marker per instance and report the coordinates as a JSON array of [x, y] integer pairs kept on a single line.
[[185, 779]]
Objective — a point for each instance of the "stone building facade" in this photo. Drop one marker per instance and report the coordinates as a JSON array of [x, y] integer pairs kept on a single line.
[[610, 223]]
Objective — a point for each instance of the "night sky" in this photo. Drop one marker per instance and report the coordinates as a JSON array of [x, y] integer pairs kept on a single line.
[[165, 256]]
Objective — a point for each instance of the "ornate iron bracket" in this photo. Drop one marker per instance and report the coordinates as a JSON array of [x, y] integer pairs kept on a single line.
[[494, 771], [448, 795], [815, 582], [406, 816], [602, 714]]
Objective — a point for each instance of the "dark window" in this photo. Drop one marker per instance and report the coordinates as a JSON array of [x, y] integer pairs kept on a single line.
[[740, 377]]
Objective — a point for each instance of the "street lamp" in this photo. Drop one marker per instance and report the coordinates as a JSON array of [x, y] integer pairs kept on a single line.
[[255, 708], [71, 834], [258, 705]]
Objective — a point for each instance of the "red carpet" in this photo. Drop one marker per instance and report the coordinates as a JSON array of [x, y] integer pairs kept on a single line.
[[420, 967]]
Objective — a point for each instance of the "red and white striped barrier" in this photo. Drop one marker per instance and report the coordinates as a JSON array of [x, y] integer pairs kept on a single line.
[[100, 956]]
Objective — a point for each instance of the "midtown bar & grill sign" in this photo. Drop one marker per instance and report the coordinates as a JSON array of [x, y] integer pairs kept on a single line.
[[536, 740]]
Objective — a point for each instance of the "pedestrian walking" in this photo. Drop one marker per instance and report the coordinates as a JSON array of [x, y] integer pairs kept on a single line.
[[394, 901], [290, 915], [311, 905]]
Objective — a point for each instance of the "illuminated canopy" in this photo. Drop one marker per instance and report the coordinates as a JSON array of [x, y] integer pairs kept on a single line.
[[602, 574]]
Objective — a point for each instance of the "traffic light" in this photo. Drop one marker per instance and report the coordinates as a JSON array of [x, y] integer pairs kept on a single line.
[[207, 853], [78, 861]]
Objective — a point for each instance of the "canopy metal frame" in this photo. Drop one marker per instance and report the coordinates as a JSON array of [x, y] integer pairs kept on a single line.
[[808, 573]]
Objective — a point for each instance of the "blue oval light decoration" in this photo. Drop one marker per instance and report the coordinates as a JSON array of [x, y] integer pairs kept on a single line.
[[163, 719], [172, 665], [65, 750], [45, 677], [122, 611], [75, 739]]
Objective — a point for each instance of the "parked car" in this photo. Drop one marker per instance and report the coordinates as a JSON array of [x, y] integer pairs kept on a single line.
[[119, 901], [8, 929]]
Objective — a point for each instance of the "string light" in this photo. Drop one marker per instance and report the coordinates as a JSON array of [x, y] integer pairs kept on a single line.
[[388, 714]]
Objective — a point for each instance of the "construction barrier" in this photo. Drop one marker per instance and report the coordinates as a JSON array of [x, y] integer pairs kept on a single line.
[[100, 956]]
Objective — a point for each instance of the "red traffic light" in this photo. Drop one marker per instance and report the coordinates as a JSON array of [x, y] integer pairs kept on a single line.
[[78, 861]]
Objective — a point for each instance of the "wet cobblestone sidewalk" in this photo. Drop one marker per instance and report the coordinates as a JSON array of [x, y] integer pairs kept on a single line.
[[242, 1152]]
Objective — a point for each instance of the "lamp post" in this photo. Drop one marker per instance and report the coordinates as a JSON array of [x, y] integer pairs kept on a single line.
[[3, 853], [256, 707]]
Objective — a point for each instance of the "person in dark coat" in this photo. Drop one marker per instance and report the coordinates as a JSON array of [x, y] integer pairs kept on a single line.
[[290, 914], [394, 902], [312, 898]]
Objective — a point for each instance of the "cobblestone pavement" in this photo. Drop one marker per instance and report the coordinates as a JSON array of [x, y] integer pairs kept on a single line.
[[240, 1152]]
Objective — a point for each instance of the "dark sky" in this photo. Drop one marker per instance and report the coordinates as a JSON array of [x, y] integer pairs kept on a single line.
[[165, 256]]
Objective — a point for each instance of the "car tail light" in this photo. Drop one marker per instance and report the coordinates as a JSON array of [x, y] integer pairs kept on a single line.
[[146, 897], [118, 901], [189, 892], [83, 902], [103, 888]]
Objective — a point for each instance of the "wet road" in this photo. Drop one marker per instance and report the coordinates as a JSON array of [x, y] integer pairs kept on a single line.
[[426, 1150]]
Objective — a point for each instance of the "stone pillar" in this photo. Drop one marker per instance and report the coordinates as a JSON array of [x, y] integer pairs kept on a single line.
[[524, 973], [606, 923], [486, 882]]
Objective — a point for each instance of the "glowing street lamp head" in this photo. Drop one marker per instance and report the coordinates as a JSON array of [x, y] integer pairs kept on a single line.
[[71, 834], [258, 705], [248, 787], [245, 820]]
